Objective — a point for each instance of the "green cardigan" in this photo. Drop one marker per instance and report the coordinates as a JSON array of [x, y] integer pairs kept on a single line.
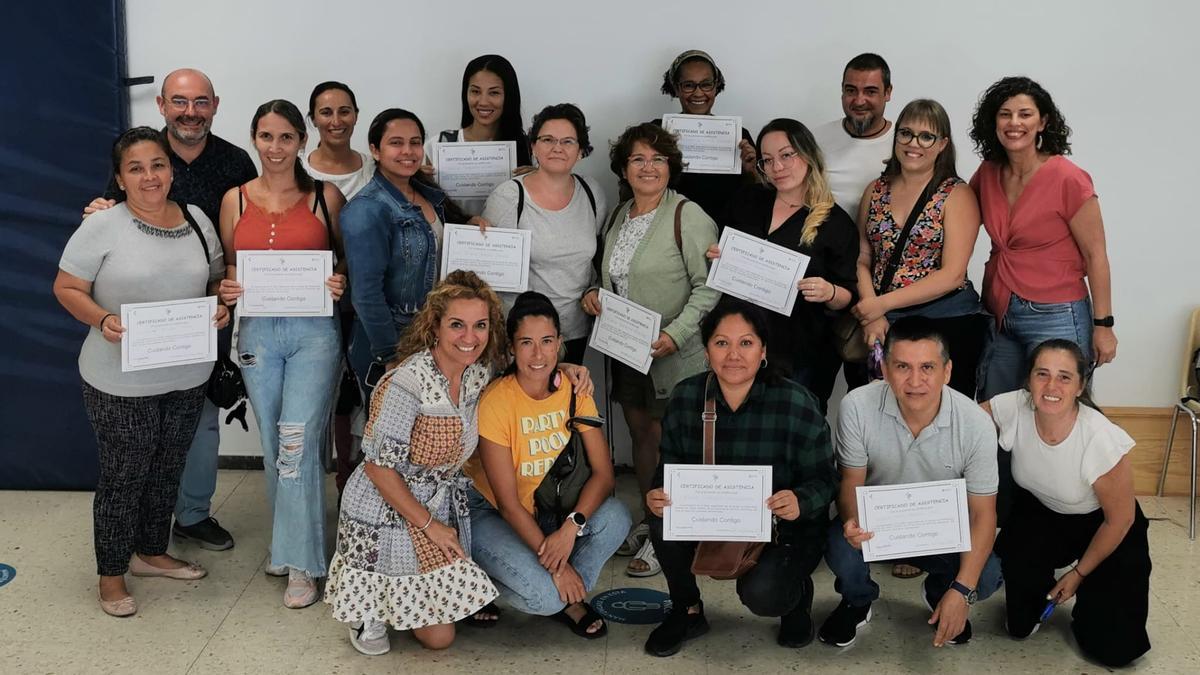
[[670, 281]]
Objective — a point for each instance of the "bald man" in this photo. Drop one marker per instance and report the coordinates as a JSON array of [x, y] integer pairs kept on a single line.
[[204, 168]]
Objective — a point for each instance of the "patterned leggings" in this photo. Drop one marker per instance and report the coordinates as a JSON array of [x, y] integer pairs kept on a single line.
[[143, 442]]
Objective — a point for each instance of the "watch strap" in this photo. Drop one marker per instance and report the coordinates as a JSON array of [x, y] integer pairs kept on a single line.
[[968, 593], [1104, 321]]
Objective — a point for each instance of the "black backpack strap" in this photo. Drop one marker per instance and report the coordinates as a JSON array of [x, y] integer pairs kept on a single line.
[[241, 205], [679, 225], [319, 186], [520, 199], [889, 273], [448, 136], [196, 228], [587, 190]]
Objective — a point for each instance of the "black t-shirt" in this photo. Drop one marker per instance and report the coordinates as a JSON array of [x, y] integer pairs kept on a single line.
[[219, 167], [805, 337]]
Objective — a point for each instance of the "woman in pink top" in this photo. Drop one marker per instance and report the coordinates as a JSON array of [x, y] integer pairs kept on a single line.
[[290, 363], [1042, 215]]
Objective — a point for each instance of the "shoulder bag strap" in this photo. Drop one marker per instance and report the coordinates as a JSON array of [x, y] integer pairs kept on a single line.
[[520, 199], [241, 204], [889, 273], [709, 418], [587, 190], [679, 225], [196, 228]]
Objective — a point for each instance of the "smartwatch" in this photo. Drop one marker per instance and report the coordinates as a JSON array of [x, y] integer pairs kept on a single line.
[[968, 593], [1104, 322], [578, 520]]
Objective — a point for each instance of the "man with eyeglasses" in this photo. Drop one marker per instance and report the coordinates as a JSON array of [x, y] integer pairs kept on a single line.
[[204, 167], [858, 145]]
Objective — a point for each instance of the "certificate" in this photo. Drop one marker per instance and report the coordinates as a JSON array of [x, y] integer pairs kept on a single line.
[[499, 256], [284, 283], [473, 170], [914, 519], [757, 271], [709, 143], [624, 331], [169, 333], [717, 502]]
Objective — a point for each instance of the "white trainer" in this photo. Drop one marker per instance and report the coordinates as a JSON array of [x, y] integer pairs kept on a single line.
[[370, 637]]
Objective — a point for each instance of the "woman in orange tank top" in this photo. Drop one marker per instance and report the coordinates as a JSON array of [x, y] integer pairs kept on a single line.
[[290, 363]]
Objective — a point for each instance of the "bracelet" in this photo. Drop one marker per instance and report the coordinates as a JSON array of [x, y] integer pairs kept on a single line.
[[1075, 569], [102, 320], [832, 295], [427, 523]]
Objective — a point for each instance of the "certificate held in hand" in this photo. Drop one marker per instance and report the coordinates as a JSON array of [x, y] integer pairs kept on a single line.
[[500, 256], [709, 143], [471, 170], [717, 502], [168, 333], [757, 271], [284, 283], [625, 330], [911, 520]]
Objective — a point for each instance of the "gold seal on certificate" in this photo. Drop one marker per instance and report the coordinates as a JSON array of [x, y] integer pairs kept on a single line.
[[168, 333], [500, 256], [757, 271], [284, 283], [717, 502], [471, 170], [911, 520], [709, 143], [624, 330]]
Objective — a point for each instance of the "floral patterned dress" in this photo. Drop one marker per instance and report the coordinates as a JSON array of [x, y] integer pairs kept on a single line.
[[382, 569]]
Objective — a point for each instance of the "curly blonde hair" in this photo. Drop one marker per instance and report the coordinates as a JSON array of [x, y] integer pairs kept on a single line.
[[817, 195], [421, 334]]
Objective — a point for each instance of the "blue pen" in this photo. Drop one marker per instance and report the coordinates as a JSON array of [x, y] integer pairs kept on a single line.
[[1048, 611]]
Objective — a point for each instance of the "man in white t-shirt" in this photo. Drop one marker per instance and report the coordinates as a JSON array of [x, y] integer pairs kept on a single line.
[[857, 145], [911, 428]]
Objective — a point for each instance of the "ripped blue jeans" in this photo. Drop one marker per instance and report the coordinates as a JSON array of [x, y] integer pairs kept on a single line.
[[290, 365]]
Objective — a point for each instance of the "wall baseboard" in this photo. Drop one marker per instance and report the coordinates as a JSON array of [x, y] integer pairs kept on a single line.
[[1149, 428]]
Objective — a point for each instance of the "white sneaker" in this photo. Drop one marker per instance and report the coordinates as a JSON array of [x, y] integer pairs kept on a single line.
[[276, 570], [370, 637], [301, 590]]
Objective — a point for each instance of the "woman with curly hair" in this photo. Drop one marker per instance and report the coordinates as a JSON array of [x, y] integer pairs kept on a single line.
[[1043, 217]]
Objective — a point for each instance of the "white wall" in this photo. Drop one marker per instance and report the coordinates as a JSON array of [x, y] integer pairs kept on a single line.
[[1121, 72]]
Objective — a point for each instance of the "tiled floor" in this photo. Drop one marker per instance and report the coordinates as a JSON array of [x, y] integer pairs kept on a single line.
[[233, 621]]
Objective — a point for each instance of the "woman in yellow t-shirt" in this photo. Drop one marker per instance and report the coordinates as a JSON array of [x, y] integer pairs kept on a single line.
[[542, 563]]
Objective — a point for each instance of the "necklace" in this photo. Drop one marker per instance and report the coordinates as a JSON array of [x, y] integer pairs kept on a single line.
[[785, 202]]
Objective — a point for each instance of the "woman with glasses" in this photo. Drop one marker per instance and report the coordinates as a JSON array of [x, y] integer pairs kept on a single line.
[[797, 211], [654, 245], [1043, 216], [564, 211], [919, 221]]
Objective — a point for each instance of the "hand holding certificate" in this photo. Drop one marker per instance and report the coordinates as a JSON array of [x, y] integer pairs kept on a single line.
[[499, 256], [285, 283], [914, 519], [168, 333], [717, 502], [709, 143], [757, 271], [472, 170], [625, 330]]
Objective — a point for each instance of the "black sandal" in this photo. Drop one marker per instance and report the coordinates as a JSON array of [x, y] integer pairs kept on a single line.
[[580, 627], [477, 622]]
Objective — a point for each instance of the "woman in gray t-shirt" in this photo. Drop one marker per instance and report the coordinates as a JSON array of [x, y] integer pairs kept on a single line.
[[147, 248]]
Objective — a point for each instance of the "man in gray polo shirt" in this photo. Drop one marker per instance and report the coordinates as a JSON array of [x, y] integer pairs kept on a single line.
[[909, 428]]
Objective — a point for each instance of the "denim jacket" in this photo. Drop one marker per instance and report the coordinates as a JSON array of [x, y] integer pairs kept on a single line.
[[392, 257]]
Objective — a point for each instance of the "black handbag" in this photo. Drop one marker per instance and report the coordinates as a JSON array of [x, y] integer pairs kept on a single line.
[[559, 491]]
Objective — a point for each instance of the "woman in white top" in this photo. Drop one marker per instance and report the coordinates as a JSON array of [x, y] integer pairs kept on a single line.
[[564, 212], [333, 110], [1076, 510]]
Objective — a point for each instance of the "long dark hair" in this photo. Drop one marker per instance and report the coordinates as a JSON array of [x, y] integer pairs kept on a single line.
[[932, 113], [1082, 369], [288, 111], [510, 117], [1053, 140], [527, 304], [454, 214]]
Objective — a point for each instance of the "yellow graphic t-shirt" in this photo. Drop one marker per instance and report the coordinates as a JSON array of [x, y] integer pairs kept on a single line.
[[534, 431]]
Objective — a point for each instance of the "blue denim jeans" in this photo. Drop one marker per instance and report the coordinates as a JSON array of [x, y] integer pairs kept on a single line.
[[522, 581], [1026, 325], [199, 480], [853, 575], [290, 365]]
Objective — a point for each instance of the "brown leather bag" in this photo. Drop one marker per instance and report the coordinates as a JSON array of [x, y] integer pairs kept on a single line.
[[721, 560]]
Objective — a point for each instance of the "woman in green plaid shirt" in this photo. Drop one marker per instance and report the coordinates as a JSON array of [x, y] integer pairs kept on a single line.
[[762, 419]]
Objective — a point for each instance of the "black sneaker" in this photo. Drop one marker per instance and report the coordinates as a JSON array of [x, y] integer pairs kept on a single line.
[[796, 628], [962, 638], [208, 533], [843, 623], [679, 626]]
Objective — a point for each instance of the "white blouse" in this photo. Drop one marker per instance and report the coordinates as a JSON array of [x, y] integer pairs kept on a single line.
[[632, 232]]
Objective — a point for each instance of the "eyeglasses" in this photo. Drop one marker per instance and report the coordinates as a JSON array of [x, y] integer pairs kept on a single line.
[[566, 143], [925, 139], [639, 162], [180, 103], [785, 159], [688, 86]]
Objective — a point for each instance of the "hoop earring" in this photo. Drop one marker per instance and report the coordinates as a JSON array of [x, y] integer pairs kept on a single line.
[[763, 364]]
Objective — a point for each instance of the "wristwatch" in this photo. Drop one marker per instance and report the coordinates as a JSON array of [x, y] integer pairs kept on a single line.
[[1104, 322], [968, 593], [578, 520]]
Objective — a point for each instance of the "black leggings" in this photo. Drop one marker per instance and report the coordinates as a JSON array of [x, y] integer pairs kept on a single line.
[[1109, 619]]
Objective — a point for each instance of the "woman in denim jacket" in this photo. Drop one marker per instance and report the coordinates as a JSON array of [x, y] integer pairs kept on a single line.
[[392, 231]]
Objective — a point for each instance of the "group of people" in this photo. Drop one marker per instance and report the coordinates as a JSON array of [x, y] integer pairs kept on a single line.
[[473, 401]]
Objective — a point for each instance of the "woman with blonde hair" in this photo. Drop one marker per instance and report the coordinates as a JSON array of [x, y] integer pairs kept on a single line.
[[796, 210]]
